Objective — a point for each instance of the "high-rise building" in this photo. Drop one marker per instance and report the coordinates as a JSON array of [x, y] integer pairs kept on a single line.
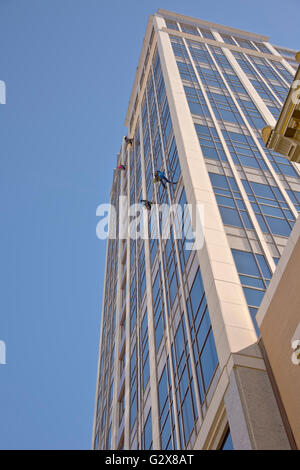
[[180, 362]]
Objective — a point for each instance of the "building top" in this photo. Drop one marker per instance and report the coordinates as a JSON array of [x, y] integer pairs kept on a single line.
[[208, 24], [149, 37], [287, 50]]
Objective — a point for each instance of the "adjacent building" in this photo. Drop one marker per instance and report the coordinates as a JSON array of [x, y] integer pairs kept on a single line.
[[279, 321], [284, 138], [181, 362]]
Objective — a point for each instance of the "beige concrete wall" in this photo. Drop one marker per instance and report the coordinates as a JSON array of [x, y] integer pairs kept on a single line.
[[260, 426], [279, 317]]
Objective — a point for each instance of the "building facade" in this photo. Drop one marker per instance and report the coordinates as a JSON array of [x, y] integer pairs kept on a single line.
[[180, 366]]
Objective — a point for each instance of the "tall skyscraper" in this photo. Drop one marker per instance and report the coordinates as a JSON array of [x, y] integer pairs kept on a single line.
[[180, 364]]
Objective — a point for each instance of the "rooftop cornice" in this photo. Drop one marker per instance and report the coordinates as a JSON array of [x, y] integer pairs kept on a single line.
[[283, 48], [208, 24], [213, 42], [187, 19]]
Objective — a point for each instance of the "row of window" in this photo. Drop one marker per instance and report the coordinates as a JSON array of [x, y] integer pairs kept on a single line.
[[206, 33]]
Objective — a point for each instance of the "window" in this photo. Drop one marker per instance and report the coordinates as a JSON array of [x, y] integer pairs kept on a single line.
[[255, 276], [196, 292], [146, 366], [121, 408], [187, 414], [245, 263], [142, 274], [170, 268], [232, 208], [186, 72], [184, 383], [171, 24], [158, 311], [280, 164], [167, 425], [133, 387], [270, 208], [111, 391], [196, 101], [206, 359], [210, 143], [228, 39], [163, 390], [148, 432], [108, 439], [227, 443], [230, 217], [188, 231], [262, 47], [273, 80], [209, 359], [295, 198], [207, 34], [244, 100], [244, 43], [133, 307], [243, 150], [189, 29]]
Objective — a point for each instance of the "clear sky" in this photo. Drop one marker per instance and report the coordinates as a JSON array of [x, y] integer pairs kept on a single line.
[[69, 66]]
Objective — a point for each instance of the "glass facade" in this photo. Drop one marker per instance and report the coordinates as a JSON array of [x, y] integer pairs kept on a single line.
[[159, 363], [227, 443], [216, 83]]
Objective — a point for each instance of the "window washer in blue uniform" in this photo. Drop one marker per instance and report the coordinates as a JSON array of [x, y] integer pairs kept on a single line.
[[160, 176]]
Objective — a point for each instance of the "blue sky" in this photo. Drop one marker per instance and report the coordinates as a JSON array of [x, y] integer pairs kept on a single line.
[[69, 66]]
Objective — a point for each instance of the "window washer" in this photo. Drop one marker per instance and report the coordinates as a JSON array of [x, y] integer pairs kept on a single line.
[[128, 141], [147, 204], [122, 167], [160, 176]]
